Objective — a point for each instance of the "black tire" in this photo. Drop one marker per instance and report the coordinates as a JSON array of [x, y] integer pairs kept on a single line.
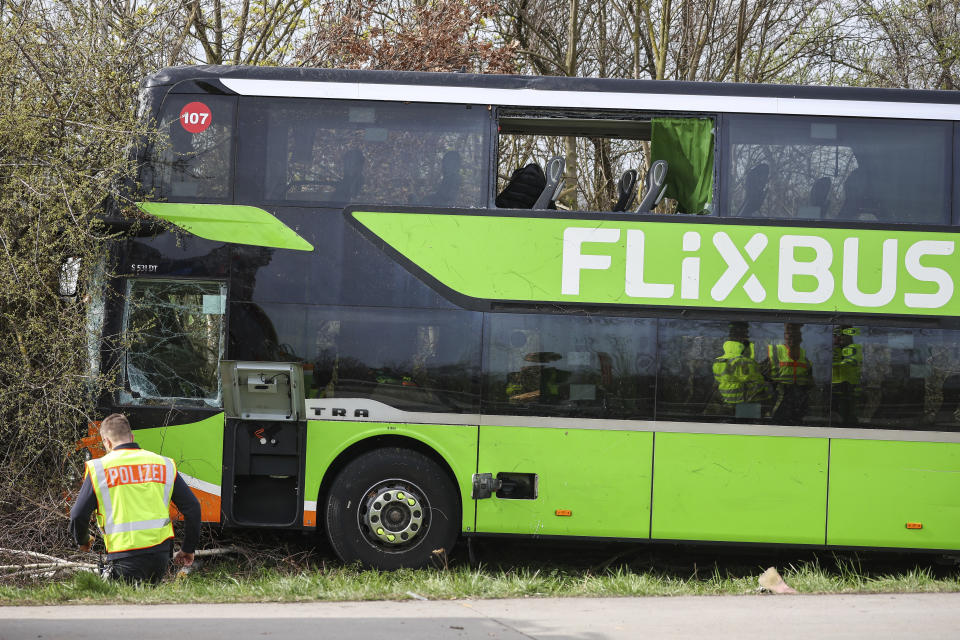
[[368, 503]]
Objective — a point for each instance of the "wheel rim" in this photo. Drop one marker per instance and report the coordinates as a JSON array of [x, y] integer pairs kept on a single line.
[[394, 515]]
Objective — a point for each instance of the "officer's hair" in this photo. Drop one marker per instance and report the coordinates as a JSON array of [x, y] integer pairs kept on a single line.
[[116, 428]]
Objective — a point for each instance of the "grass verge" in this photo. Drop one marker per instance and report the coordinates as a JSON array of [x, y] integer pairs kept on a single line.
[[226, 583]]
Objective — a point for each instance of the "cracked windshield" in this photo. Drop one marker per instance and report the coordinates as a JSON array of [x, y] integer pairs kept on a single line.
[[174, 333]]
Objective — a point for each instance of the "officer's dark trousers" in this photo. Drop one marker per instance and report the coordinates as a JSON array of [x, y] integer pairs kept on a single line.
[[843, 400], [143, 567], [791, 404]]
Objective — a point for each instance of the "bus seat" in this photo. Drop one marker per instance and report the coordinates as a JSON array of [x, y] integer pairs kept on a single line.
[[820, 192], [554, 184], [857, 203], [655, 186], [349, 186], [755, 186], [525, 185], [817, 201], [451, 181], [627, 189]]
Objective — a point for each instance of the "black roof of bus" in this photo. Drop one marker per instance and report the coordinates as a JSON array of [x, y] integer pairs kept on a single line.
[[174, 75]]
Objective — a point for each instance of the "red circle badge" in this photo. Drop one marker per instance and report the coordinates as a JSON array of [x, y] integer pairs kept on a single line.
[[195, 117]]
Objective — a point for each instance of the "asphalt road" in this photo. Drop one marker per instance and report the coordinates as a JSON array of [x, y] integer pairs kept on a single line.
[[927, 616]]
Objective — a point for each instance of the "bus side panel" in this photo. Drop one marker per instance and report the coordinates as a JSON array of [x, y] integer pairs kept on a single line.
[[878, 487], [740, 488], [197, 448], [326, 439], [602, 478]]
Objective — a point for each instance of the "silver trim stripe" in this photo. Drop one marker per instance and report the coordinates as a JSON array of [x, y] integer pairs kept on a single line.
[[202, 485], [354, 408], [592, 99]]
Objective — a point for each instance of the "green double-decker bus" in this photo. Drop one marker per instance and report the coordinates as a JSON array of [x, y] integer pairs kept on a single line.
[[377, 307]]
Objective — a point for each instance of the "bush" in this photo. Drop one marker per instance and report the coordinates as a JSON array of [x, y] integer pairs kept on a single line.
[[69, 77]]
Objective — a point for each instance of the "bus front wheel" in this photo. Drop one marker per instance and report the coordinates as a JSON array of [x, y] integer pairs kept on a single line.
[[391, 508]]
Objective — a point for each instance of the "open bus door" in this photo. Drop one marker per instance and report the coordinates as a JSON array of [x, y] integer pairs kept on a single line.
[[264, 442]]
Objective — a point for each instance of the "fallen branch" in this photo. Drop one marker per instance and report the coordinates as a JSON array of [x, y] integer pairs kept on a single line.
[[51, 569], [42, 565], [215, 552], [34, 554]]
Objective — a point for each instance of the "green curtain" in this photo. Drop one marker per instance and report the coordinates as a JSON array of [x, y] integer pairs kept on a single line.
[[687, 146]]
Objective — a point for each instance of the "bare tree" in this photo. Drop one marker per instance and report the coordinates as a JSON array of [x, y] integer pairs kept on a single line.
[[908, 43], [745, 40], [420, 35], [238, 32]]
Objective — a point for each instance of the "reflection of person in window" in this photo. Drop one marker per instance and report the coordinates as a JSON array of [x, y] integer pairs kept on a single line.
[[845, 375], [737, 372], [942, 363], [791, 374], [875, 379], [537, 383]]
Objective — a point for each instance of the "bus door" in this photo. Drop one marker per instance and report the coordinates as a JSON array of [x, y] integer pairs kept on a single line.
[[264, 441]]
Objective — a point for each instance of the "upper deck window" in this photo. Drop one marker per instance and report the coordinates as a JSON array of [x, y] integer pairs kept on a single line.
[[598, 161], [867, 170], [191, 159], [333, 152]]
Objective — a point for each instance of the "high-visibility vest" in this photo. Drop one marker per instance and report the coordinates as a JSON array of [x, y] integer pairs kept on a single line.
[[786, 370], [738, 377], [847, 364], [133, 489]]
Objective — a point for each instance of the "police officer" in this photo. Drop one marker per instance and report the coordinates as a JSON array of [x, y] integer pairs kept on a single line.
[[846, 372], [131, 490], [943, 362], [792, 375], [737, 373]]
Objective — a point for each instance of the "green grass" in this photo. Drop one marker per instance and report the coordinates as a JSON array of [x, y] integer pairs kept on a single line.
[[227, 583]]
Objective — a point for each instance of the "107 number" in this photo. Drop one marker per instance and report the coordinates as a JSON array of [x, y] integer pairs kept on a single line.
[[194, 117]]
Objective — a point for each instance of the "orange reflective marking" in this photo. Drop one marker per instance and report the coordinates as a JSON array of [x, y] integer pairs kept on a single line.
[[136, 474], [309, 518], [914, 525], [92, 441], [563, 512], [209, 506]]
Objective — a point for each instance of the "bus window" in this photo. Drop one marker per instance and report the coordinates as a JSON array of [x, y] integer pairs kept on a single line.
[[606, 162], [749, 372], [792, 167], [192, 157], [896, 378], [569, 366], [173, 333], [412, 360], [333, 152]]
